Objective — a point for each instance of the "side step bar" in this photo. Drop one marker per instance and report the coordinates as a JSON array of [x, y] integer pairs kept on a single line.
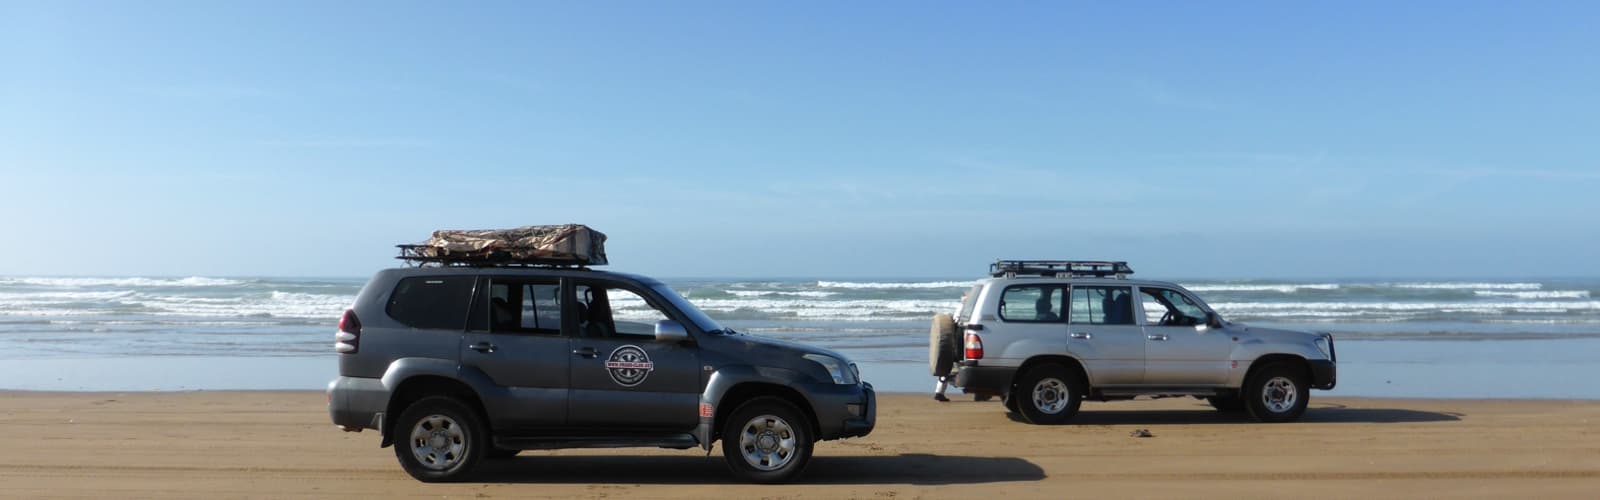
[[675, 441]]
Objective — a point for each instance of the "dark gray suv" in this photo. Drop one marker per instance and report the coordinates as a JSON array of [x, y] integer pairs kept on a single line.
[[453, 365]]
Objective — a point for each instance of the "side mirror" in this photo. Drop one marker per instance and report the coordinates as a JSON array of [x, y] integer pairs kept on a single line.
[[670, 331], [1212, 321]]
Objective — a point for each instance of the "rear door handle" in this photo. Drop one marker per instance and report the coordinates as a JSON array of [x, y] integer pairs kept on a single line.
[[1157, 336], [482, 347], [1082, 335], [585, 352]]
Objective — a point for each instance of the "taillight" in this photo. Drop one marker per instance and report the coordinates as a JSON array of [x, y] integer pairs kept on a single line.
[[974, 346], [348, 340]]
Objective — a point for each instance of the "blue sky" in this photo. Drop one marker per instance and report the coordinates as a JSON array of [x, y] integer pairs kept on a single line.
[[1250, 140]]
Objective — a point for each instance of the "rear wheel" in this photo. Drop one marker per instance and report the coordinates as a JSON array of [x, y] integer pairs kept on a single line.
[[1048, 394], [767, 440], [1277, 392], [439, 439]]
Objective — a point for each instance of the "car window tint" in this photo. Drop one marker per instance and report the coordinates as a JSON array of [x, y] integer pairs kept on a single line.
[[969, 301], [1102, 305], [1166, 307], [432, 302], [1032, 303], [517, 306]]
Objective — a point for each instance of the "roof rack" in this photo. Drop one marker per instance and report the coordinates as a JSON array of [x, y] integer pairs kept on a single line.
[[1061, 268], [418, 256]]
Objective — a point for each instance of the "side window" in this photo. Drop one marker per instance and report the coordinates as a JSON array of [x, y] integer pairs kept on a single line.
[[434, 302], [969, 301], [1102, 305], [1032, 303], [525, 307], [615, 312], [1166, 307]]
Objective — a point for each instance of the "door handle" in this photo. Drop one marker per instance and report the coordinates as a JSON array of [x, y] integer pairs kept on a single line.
[[1158, 336], [585, 352], [484, 347], [1082, 335]]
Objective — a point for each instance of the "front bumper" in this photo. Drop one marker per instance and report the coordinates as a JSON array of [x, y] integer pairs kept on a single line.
[[843, 411], [356, 403]]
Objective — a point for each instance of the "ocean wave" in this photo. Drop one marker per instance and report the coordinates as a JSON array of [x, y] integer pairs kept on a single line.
[[892, 285], [1280, 288], [784, 293], [192, 281], [1468, 286], [1440, 307], [1551, 294]]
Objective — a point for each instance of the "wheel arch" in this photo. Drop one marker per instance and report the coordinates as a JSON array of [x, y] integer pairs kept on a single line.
[[1264, 361], [417, 387], [740, 393], [1072, 364]]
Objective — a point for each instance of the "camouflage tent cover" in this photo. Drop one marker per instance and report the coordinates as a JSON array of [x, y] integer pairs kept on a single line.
[[575, 243]]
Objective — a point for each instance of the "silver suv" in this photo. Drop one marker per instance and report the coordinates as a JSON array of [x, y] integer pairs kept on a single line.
[[1045, 335]]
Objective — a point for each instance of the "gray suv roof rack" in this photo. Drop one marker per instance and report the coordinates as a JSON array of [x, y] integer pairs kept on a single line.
[[1060, 268], [416, 256]]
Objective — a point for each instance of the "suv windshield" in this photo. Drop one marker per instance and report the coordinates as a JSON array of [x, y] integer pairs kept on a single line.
[[700, 319]]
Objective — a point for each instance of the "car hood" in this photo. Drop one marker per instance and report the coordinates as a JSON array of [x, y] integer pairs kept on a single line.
[[759, 345], [1273, 334]]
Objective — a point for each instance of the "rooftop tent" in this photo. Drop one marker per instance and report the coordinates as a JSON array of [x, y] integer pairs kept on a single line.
[[566, 244]]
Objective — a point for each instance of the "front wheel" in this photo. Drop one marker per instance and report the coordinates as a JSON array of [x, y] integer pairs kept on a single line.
[[1277, 392], [1048, 394], [439, 439], [767, 440]]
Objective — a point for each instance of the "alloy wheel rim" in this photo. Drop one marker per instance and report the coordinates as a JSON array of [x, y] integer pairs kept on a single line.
[[1279, 395], [767, 442], [1050, 396], [438, 442]]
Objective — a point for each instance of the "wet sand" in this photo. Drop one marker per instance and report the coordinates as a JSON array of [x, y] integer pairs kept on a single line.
[[280, 445]]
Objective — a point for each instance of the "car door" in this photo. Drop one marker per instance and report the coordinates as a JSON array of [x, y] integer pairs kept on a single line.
[[1103, 335], [515, 339], [622, 378], [1176, 354]]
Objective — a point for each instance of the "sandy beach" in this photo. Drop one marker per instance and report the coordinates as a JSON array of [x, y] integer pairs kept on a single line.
[[280, 445]]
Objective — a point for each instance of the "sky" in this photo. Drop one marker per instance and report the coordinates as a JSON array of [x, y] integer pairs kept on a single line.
[[806, 139]]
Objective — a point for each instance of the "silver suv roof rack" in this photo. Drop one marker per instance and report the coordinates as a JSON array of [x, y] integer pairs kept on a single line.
[[1061, 268]]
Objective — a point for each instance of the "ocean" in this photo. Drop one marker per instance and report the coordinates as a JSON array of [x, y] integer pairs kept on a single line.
[[1438, 338]]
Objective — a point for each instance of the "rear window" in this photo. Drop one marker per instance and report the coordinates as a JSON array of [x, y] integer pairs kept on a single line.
[[435, 302], [969, 301]]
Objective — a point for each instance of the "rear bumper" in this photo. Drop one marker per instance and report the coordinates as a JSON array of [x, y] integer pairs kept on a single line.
[[356, 403], [987, 380], [843, 411], [1324, 373]]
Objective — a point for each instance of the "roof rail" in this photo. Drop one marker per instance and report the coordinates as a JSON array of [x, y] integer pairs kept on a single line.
[[1060, 268], [420, 256]]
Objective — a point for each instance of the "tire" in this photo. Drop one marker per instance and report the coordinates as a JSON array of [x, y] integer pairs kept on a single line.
[[1010, 401], [501, 454], [1277, 392], [439, 439], [1048, 394], [767, 440], [942, 345], [1226, 404]]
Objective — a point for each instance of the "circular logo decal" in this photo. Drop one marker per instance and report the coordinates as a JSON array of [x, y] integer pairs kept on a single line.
[[629, 366]]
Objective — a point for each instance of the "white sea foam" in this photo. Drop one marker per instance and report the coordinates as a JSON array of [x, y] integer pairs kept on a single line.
[[1552, 294], [1443, 307], [1469, 286], [1280, 288], [192, 281], [783, 293], [892, 285]]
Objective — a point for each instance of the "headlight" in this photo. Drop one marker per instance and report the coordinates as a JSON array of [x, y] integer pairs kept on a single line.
[[842, 373]]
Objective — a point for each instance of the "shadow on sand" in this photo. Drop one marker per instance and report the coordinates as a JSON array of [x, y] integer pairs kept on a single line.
[[911, 468], [1321, 413]]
